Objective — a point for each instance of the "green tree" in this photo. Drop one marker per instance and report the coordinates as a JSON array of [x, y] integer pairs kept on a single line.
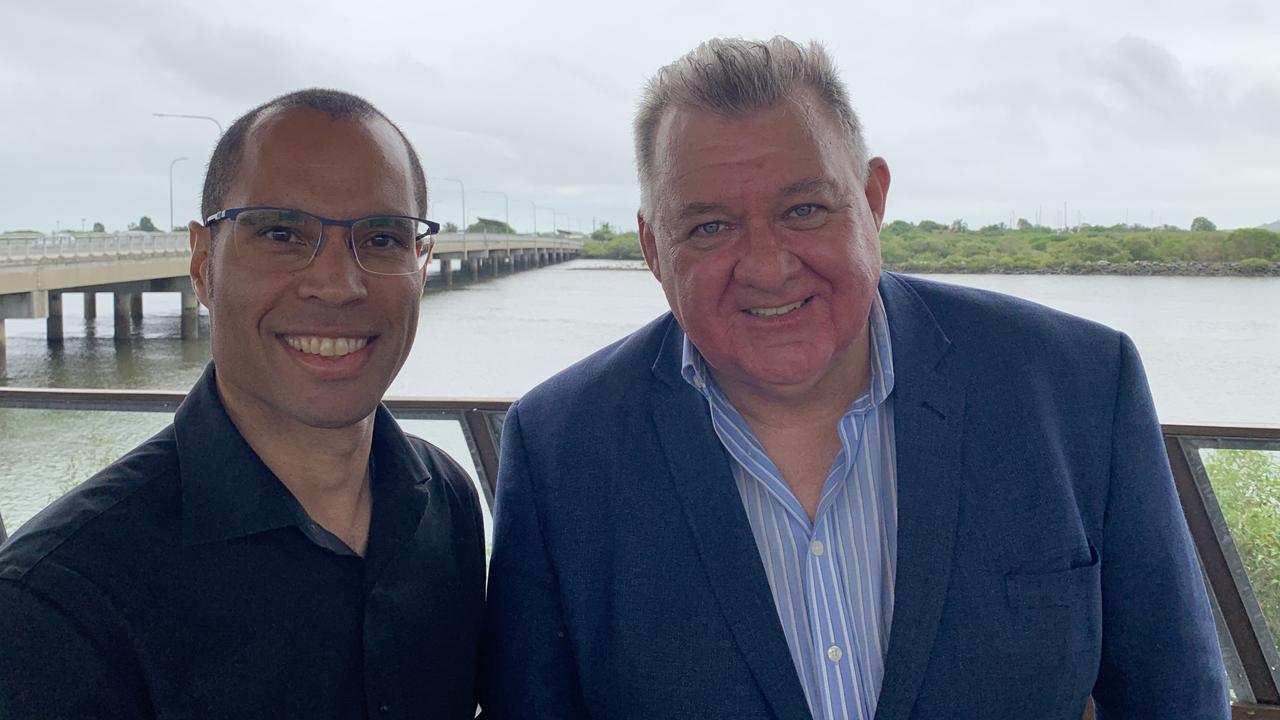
[[898, 227], [449, 227], [144, 225], [490, 226], [930, 226], [99, 227], [603, 234], [1203, 224], [1253, 243]]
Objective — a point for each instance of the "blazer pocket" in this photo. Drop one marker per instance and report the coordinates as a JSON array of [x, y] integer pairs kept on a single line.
[[1062, 588]]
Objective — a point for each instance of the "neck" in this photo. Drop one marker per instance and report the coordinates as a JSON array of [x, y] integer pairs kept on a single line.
[[326, 469]]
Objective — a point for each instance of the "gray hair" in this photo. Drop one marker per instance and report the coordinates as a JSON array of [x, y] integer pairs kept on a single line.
[[734, 77]]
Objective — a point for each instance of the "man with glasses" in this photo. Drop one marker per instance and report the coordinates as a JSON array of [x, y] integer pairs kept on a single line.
[[283, 550]]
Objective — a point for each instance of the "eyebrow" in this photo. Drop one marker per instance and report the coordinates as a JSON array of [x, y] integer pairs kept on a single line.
[[695, 209], [804, 186], [809, 185]]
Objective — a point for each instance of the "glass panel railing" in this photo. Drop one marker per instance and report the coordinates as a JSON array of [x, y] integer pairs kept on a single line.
[[51, 441], [1246, 484], [1228, 481], [48, 452]]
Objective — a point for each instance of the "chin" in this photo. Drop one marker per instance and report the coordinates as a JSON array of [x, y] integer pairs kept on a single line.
[[336, 418]]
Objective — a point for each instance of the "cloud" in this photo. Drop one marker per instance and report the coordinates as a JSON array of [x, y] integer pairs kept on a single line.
[[980, 109]]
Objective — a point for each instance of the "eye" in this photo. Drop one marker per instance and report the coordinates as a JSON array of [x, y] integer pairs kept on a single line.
[[382, 241], [806, 216], [279, 234], [708, 228]]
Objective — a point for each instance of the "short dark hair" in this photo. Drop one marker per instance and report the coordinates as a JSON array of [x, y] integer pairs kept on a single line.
[[339, 105]]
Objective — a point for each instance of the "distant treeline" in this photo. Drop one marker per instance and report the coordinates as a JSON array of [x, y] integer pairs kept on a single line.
[[933, 247]]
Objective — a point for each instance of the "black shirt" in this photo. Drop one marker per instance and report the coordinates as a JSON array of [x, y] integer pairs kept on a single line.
[[183, 582]]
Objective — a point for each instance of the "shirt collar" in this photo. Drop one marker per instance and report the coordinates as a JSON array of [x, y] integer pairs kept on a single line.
[[228, 492], [693, 367]]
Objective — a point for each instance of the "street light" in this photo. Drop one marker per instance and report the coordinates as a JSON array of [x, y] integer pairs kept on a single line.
[[171, 164], [535, 217], [463, 188], [192, 117]]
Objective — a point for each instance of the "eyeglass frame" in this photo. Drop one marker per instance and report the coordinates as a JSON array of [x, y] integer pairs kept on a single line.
[[433, 228]]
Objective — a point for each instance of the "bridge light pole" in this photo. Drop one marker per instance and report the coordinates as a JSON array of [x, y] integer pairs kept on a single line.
[[171, 164], [463, 188], [192, 117]]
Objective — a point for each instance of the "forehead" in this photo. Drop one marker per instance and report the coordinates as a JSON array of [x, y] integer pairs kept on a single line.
[[304, 159], [797, 137]]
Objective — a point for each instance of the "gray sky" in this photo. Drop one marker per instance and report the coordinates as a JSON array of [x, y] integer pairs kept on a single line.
[[1160, 111]]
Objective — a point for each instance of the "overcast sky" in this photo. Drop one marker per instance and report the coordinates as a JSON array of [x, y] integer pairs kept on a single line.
[[1154, 111]]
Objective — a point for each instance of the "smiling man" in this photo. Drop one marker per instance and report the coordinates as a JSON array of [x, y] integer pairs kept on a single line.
[[283, 550], [815, 489]]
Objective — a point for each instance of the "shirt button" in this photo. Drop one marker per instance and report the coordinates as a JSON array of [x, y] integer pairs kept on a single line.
[[816, 547], [384, 708], [835, 653]]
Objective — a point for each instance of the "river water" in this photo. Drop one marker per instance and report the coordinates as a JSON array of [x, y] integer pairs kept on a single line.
[[1211, 348]]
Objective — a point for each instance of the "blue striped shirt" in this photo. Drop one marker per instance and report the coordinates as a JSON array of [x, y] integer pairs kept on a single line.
[[832, 578]]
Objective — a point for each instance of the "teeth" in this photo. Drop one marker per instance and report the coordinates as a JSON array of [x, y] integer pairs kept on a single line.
[[775, 311], [326, 346]]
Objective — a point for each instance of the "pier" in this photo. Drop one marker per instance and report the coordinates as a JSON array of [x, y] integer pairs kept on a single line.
[[36, 270]]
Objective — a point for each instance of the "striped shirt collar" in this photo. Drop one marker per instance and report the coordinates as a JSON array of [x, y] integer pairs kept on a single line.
[[693, 367]]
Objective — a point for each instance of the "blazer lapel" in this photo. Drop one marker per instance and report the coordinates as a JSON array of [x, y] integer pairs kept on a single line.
[[928, 412], [703, 481]]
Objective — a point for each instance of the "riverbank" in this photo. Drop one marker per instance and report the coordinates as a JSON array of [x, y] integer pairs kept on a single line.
[[930, 247], [1141, 268]]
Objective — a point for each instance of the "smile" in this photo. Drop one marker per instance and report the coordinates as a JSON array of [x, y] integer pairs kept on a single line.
[[765, 312], [326, 346]]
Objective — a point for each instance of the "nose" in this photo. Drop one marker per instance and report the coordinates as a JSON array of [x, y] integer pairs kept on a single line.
[[333, 276], [764, 260]]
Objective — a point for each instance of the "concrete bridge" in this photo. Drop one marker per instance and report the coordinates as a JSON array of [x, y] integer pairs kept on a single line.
[[35, 271]]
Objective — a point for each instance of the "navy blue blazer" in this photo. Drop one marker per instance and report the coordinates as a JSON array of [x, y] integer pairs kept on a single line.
[[1042, 553]]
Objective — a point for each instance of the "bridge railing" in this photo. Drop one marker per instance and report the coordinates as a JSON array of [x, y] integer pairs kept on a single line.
[[30, 248], [26, 249]]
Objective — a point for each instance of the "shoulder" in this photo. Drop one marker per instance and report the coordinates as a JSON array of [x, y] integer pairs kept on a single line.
[[123, 510], [444, 469], [1000, 332]]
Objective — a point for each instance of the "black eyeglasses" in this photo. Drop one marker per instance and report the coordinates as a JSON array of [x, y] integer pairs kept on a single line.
[[284, 239]]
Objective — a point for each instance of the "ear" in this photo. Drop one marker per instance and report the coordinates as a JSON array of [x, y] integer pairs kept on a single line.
[[200, 238], [649, 246], [877, 188]]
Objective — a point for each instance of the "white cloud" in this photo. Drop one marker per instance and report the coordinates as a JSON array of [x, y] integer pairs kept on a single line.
[[1161, 109]]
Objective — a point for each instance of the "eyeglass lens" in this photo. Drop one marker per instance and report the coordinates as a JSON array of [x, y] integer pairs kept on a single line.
[[285, 240]]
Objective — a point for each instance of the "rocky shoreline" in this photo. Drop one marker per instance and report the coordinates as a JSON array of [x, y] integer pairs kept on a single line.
[[1102, 267]]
